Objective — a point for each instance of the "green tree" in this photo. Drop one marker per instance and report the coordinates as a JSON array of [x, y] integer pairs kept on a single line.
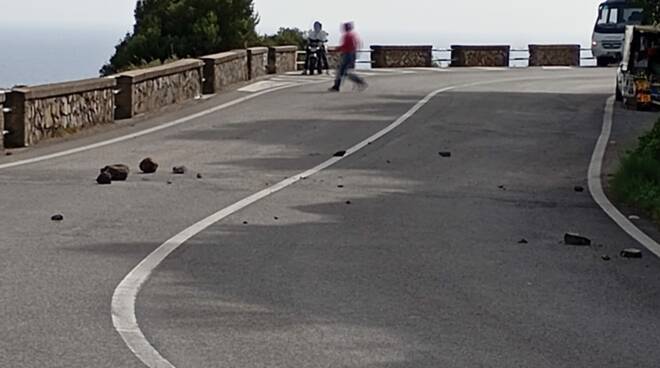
[[166, 29], [285, 37], [651, 11]]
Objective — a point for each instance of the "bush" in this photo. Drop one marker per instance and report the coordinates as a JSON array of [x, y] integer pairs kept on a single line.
[[637, 182], [285, 37]]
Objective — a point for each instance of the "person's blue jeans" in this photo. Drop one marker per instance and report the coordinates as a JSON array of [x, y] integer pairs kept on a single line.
[[345, 67]]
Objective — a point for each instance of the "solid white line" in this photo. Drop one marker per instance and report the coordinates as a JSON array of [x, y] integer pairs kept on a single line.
[[596, 184], [125, 295], [142, 132]]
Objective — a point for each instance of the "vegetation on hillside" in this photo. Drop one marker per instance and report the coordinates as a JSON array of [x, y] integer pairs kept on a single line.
[[651, 11], [637, 182], [166, 29]]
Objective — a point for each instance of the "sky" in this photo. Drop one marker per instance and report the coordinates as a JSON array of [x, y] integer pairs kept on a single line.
[[438, 22]]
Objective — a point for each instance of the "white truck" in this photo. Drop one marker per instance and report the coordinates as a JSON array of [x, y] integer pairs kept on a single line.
[[608, 36], [638, 76]]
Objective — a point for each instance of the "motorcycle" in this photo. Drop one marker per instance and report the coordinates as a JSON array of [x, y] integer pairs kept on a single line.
[[316, 56]]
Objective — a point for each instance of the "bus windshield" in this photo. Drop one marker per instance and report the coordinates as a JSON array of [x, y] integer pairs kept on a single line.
[[620, 15]]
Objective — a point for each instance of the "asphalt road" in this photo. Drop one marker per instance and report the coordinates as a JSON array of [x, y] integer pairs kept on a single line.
[[394, 257]]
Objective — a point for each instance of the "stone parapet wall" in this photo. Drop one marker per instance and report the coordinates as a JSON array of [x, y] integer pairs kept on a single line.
[[401, 56], [146, 90], [484, 56], [54, 110], [257, 62], [224, 69], [554, 55], [282, 59]]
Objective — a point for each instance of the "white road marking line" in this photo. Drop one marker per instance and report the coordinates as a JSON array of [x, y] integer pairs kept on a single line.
[[125, 295], [596, 185], [261, 86], [142, 132]]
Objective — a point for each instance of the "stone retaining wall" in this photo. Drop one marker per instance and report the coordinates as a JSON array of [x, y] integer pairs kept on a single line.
[[554, 55], [57, 109], [282, 59], [2, 120], [257, 62], [401, 56], [146, 90], [486, 56], [224, 69]]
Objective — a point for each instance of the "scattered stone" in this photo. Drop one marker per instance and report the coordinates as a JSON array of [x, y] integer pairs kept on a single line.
[[575, 239], [199, 176], [579, 189], [179, 170], [389, 162], [523, 241], [245, 222], [117, 172], [633, 218], [340, 154], [631, 253], [606, 258], [169, 182], [57, 217], [276, 218], [445, 154], [9, 153], [148, 166], [349, 202], [340, 186], [501, 187], [104, 178]]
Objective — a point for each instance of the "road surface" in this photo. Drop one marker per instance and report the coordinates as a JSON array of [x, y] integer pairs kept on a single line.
[[393, 257]]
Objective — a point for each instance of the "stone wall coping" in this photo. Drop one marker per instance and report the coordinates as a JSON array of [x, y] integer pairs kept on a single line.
[[66, 88], [224, 56], [180, 66], [401, 47], [481, 47], [258, 50], [554, 46], [285, 48]]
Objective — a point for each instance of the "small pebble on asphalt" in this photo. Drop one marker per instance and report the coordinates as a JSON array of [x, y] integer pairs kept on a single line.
[[340, 154], [633, 218], [579, 189], [179, 170], [631, 253], [576, 239], [444, 154], [57, 217], [523, 241], [199, 176], [606, 257]]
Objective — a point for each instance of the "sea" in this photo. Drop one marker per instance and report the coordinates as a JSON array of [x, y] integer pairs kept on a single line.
[[35, 56]]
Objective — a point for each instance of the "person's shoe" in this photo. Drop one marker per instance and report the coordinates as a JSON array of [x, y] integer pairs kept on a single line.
[[333, 89]]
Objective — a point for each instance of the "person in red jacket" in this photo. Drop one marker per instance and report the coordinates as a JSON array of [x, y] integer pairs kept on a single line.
[[348, 48]]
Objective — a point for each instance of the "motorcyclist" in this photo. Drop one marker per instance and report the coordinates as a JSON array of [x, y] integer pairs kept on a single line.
[[319, 37]]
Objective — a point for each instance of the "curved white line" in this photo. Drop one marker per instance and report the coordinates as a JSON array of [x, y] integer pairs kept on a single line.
[[596, 184], [125, 295]]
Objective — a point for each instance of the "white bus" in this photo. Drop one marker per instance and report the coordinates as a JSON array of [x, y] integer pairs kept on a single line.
[[613, 17]]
